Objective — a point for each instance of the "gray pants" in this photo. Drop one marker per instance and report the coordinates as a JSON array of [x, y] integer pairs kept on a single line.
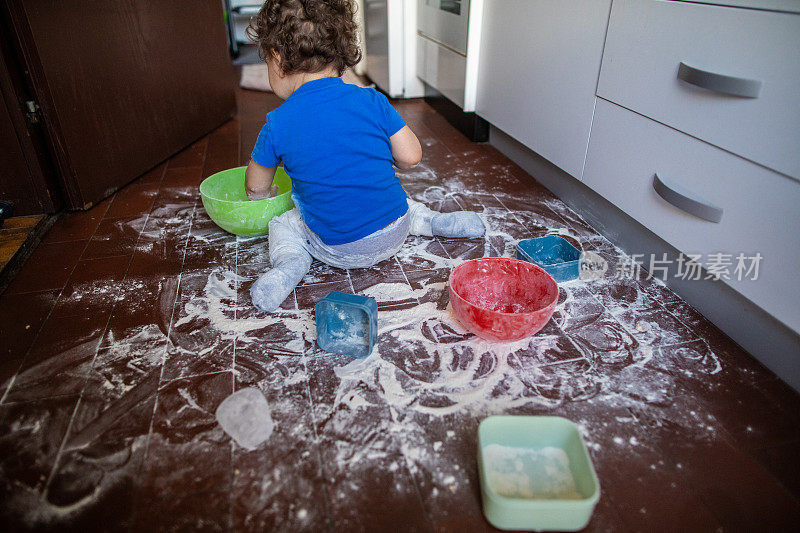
[[289, 237], [292, 245]]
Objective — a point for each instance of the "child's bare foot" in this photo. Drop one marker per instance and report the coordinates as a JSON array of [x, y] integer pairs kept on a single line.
[[464, 224]]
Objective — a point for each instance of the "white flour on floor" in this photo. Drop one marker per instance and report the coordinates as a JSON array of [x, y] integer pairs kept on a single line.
[[529, 473], [451, 371], [425, 363], [411, 401]]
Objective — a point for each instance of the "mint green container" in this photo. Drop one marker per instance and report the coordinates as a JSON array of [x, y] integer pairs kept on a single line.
[[536, 433], [226, 202]]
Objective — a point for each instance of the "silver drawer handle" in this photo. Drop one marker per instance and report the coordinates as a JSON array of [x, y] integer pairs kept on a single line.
[[719, 82], [686, 200], [246, 11]]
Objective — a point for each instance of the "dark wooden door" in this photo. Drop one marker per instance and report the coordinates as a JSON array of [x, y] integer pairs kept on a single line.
[[123, 85], [22, 150], [18, 184]]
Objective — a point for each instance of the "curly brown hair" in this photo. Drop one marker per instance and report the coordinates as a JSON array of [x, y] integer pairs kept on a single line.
[[308, 35]]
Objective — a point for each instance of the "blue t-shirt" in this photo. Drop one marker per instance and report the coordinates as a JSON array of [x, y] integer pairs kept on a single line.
[[333, 139]]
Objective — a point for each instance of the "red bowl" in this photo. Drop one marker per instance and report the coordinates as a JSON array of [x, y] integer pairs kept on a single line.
[[502, 299]]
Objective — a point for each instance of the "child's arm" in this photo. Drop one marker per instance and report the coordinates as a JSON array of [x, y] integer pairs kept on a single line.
[[406, 149], [258, 181]]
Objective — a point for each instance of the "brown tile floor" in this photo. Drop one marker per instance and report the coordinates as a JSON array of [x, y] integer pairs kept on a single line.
[[132, 322], [19, 236], [13, 233]]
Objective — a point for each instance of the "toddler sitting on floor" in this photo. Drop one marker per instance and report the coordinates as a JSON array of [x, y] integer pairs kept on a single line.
[[339, 143]]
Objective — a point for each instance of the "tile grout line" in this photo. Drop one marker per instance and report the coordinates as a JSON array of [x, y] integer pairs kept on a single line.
[[564, 361], [57, 461], [403, 271], [171, 320], [318, 443], [192, 376], [402, 450], [656, 347], [486, 225], [163, 362], [135, 503], [399, 445], [233, 380], [49, 313], [658, 307], [684, 324], [321, 471], [510, 212]]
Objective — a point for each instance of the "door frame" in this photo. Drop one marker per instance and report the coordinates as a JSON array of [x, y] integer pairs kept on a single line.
[[17, 89]]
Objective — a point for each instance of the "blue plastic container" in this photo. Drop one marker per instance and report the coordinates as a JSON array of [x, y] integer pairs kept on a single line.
[[554, 254], [347, 324]]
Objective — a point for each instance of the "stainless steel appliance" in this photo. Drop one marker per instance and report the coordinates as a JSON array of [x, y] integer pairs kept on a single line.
[[448, 46], [390, 46]]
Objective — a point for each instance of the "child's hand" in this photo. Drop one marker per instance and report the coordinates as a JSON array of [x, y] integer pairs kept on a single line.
[[258, 181], [271, 192]]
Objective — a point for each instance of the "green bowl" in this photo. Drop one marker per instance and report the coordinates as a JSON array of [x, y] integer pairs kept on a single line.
[[511, 462], [226, 202]]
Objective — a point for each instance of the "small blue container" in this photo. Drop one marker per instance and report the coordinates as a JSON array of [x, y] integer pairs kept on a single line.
[[554, 254], [347, 324]]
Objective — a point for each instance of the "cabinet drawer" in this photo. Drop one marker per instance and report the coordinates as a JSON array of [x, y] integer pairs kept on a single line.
[[649, 39], [442, 69], [761, 209]]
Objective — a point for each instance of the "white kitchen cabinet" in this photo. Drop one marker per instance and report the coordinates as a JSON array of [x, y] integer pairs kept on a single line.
[[538, 71], [706, 156], [725, 75], [742, 95], [760, 209]]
